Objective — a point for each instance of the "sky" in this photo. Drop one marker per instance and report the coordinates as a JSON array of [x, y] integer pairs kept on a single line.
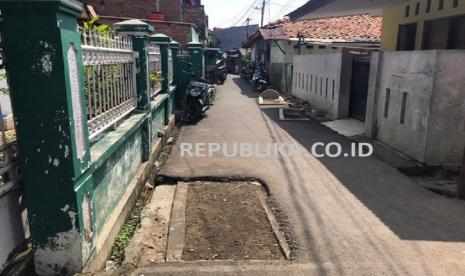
[[226, 13]]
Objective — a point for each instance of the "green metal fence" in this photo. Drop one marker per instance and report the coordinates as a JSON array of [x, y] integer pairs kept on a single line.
[[87, 118]]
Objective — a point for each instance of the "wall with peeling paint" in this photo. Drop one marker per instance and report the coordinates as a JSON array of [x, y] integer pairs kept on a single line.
[[111, 179]]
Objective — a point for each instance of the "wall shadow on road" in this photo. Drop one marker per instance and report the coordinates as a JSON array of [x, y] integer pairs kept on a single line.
[[410, 211], [245, 87]]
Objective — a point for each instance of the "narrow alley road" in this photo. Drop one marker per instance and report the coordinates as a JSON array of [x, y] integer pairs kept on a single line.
[[350, 216]]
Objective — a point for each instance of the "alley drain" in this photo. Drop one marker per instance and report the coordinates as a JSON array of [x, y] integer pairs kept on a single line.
[[227, 221], [209, 220]]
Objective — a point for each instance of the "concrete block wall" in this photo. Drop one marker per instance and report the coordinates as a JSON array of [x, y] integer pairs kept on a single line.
[[324, 81], [416, 104], [446, 130]]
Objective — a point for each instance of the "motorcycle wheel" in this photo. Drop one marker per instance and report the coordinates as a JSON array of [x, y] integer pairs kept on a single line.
[[192, 113], [260, 88]]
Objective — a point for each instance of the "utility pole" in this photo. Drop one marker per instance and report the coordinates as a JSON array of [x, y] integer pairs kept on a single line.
[[248, 24], [461, 187], [263, 12]]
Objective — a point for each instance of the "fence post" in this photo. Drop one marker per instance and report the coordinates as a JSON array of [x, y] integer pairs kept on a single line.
[[163, 41], [139, 32], [174, 46], [196, 54], [45, 68]]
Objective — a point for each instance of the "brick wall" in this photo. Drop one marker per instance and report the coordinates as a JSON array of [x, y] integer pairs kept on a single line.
[[181, 32], [138, 8], [195, 15], [173, 10]]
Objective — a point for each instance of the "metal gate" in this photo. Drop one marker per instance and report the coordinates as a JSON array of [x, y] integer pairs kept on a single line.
[[359, 86]]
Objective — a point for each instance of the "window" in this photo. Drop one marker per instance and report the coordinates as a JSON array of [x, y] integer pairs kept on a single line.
[[407, 11], [440, 5], [326, 88], [428, 6], [457, 34], [448, 33], [455, 3], [316, 84], [334, 83], [436, 34], [194, 3], [404, 106], [417, 8], [406, 37], [321, 47], [386, 102]]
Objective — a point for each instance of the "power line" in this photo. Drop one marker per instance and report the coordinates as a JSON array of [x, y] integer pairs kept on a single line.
[[247, 12], [269, 11], [284, 9], [244, 11]]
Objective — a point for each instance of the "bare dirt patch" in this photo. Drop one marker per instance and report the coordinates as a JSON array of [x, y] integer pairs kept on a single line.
[[226, 221]]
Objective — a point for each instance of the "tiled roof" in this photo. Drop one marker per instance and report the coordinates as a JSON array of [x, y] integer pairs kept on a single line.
[[274, 33], [354, 28]]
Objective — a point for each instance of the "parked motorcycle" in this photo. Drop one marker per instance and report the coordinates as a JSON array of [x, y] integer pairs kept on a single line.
[[217, 76], [222, 74], [260, 80], [199, 98], [247, 72]]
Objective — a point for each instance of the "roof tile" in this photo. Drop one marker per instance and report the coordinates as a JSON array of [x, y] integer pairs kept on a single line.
[[346, 28]]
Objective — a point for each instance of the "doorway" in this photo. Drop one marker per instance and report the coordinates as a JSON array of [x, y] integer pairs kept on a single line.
[[359, 87]]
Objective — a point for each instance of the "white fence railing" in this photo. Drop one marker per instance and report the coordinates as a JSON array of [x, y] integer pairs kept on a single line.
[[155, 70], [170, 66], [110, 79]]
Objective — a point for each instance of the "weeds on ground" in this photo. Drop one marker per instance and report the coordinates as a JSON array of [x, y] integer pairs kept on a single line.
[[125, 235]]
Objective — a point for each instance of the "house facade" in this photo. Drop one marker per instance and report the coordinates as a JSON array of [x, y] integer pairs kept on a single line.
[[175, 18], [277, 44], [416, 97], [333, 8], [424, 25], [409, 95]]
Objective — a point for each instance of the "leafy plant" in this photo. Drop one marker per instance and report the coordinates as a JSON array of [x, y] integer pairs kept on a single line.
[[4, 76], [247, 58], [99, 28], [104, 31], [156, 79]]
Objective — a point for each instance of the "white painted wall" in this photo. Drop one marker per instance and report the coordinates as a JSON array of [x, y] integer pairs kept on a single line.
[[279, 60], [319, 79]]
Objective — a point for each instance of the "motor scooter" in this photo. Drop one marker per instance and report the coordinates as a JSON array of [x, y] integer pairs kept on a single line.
[[260, 80], [199, 98]]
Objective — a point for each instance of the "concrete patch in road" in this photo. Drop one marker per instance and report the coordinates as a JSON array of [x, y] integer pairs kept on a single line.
[[348, 127], [148, 244], [177, 226], [280, 236]]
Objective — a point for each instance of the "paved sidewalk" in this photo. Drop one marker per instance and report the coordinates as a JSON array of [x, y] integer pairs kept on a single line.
[[351, 216]]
